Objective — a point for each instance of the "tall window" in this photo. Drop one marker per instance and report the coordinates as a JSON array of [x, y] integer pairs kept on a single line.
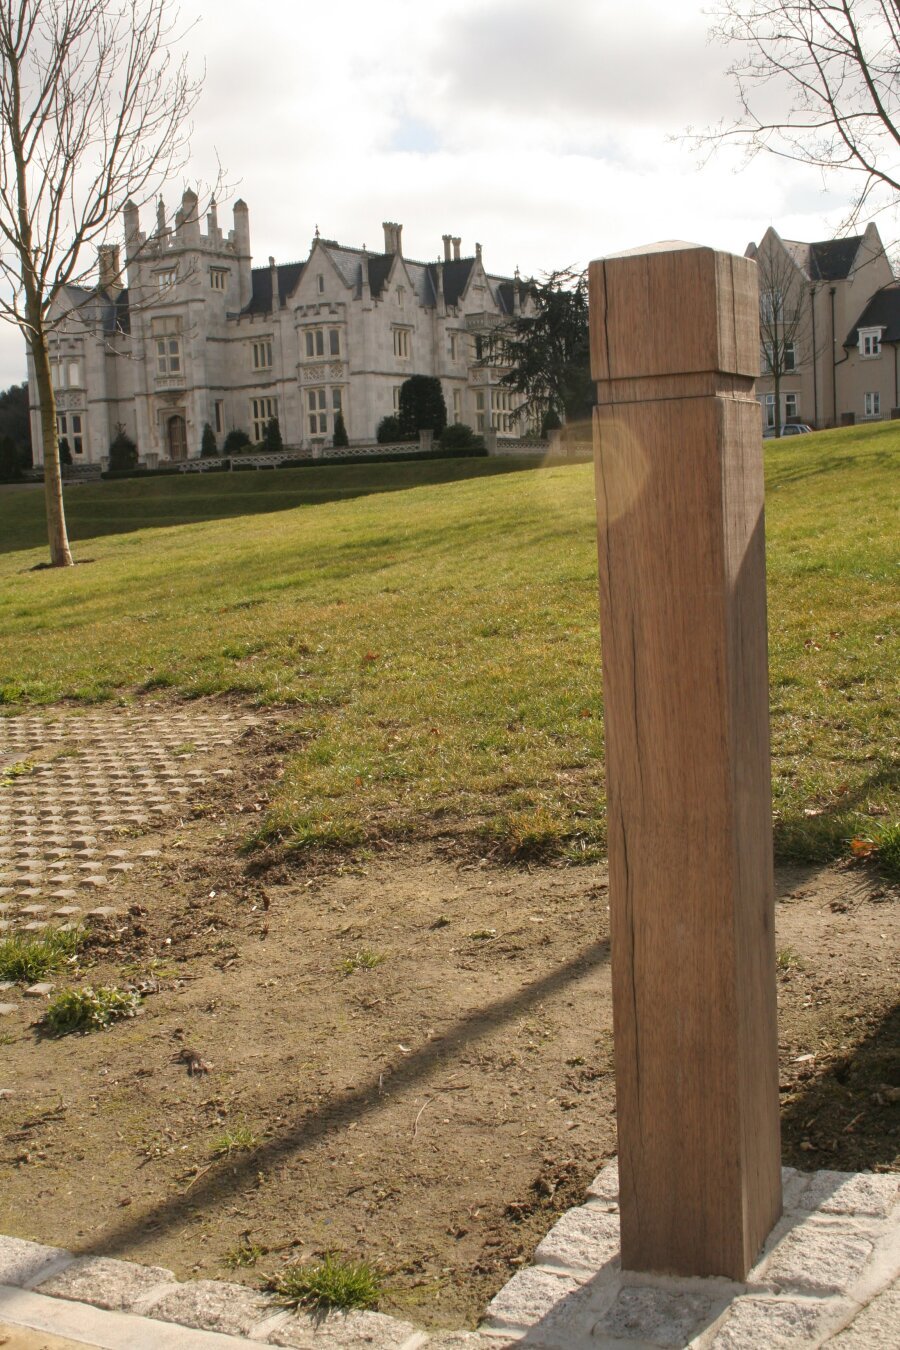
[[315, 342], [401, 343], [69, 429], [262, 410], [791, 413], [219, 416], [479, 410], [218, 278], [167, 335], [66, 372], [334, 342], [262, 354], [457, 405], [501, 410], [771, 305], [167, 279], [396, 393], [337, 400], [320, 284], [872, 404], [317, 411], [870, 342], [477, 347], [454, 346], [769, 412]]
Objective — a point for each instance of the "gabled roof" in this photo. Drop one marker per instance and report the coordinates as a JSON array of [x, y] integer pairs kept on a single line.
[[882, 311], [261, 280]]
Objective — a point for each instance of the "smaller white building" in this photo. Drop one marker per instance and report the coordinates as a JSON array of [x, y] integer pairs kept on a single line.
[[194, 334]]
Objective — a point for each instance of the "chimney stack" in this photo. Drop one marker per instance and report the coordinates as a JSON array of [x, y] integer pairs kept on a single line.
[[276, 298], [478, 252], [392, 233], [457, 244], [109, 269], [446, 239]]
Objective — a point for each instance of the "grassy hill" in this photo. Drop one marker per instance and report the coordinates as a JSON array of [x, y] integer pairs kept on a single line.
[[436, 642]]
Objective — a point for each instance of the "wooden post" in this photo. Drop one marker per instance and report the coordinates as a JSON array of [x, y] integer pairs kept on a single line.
[[678, 450]]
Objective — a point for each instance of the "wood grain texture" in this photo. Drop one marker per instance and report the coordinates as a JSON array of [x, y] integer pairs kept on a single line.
[[683, 619]]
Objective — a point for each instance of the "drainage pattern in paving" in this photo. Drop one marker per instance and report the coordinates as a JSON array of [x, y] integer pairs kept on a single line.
[[77, 792]]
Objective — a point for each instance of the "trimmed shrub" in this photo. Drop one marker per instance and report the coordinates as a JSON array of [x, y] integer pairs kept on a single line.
[[272, 437], [65, 454], [123, 453], [550, 422], [208, 446], [340, 438], [389, 430], [461, 437], [235, 441], [422, 406]]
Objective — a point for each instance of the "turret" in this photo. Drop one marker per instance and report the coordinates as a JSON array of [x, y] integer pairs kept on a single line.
[[242, 250], [187, 220]]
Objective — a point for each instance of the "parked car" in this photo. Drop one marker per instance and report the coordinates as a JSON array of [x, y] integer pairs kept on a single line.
[[789, 429]]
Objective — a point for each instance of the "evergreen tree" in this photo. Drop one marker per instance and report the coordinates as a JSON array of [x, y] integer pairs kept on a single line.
[[65, 454], [422, 406], [208, 447], [10, 461], [123, 452], [272, 437], [340, 439]]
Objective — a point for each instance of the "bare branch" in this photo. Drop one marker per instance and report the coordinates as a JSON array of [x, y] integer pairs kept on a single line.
[[818, 82], [95, 105]]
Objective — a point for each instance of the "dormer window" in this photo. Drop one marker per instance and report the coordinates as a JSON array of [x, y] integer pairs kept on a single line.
[[870, 342]]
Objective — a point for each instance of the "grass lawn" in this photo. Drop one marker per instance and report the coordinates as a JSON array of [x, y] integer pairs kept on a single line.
[[438, 646]]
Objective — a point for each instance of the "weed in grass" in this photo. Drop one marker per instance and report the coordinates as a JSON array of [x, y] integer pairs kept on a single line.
[[787, 959], [483, 934], [88, 1009], [29, 957], [186, 748], [330, 1283], [239, 1139], [245, 1254], [888, 850], [7, 1038], [364, 959], [18, 770]]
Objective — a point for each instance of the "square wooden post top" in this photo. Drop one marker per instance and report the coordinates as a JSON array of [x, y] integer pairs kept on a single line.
[[670, 310]]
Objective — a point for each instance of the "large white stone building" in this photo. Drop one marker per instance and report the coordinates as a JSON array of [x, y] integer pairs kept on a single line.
[[193, 333]]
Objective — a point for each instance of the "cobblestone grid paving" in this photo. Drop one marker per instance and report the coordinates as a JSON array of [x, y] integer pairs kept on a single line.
[[77, 792]]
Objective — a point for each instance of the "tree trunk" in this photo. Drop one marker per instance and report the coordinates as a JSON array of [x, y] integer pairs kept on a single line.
[[60, 554]]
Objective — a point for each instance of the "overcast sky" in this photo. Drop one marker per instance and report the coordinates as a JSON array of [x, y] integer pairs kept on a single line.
[[539, 129]]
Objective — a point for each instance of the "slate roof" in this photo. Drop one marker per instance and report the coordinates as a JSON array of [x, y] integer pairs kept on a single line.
[[380, 265], [100, 309], [828, 260], [261, 280], [832, 259], [882, 311]]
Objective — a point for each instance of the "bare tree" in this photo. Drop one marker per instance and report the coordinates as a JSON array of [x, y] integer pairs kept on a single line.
[[819, 83], [783, 326], [94, 109]]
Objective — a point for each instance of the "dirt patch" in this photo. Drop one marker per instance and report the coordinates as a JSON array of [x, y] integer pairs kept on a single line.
[[410, 1055]]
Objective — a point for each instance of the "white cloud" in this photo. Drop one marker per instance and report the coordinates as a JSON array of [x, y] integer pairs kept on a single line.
[[540, 130]]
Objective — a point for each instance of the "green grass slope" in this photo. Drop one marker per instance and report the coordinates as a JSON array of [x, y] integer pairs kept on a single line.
[[439, 646]]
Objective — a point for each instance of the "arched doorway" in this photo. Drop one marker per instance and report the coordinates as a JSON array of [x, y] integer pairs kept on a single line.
[[176, 437]]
